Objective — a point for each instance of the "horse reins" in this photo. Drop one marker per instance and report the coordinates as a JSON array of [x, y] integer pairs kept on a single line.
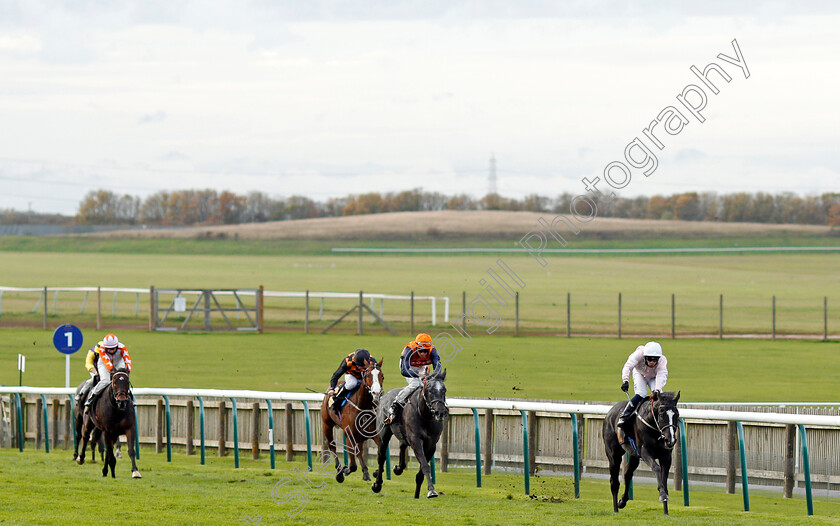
[[366, 372], [656, 421], [429, 404]]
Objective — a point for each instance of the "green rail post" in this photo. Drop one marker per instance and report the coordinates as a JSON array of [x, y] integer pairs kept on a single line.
[[744, 484], [346, 454], [73, 412], [576, 455], [477, 450], [806, 466], [432, 465], [20, 438], [46, 425], [525, 452], [684, 462], [168, 431], [136, 433], [235, 435], [308, 434], [271, 433], [629, 486], [201, 424], [388, 464]]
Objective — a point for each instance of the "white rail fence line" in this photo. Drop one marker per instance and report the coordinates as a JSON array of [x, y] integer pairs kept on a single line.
[[818, 423], [268, 293], [467, 403]]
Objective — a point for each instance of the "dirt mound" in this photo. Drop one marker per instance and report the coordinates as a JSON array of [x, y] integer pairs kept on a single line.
[[452, 224]]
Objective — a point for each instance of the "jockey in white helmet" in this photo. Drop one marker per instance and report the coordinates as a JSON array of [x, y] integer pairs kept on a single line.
[[650, 370]]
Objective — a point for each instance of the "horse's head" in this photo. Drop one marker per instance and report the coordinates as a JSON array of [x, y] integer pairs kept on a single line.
[[119, 388], [667, 416], [373, 378], [434, 394]]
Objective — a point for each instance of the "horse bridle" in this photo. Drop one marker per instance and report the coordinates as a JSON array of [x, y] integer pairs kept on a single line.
[[434, 400], [658, 428], [366, 372], [114, 392]]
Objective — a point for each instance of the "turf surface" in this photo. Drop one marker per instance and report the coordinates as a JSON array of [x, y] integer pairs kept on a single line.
[[587, 369], [48, 489]]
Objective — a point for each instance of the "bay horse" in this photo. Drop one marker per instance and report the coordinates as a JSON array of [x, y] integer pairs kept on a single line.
[[654, 434], [112, 415], [420, 427], [78, 419], [350, 418]]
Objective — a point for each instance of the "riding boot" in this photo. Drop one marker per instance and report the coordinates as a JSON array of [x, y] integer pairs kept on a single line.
[[628, 412], [338, 398], [91, 398], [394, 413]]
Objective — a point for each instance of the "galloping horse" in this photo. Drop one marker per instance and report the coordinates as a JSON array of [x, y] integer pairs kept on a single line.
[[420, 428], [654, 435], [78, 419], [113, 415], [356, 428]]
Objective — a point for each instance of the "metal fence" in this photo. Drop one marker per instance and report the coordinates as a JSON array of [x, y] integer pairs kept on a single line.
[[793, 448]]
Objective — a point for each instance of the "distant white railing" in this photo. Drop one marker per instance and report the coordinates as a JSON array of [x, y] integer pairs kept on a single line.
[[268, 293]]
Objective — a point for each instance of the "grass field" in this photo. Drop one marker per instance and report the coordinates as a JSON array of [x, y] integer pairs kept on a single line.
[[500, 366], [54, 490], [748, 283], [489, 366]]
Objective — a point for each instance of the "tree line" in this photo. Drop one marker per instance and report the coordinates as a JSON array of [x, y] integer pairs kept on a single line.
[[211, 207]]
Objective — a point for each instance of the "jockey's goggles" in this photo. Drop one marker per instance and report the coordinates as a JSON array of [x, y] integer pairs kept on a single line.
[[653, 359]]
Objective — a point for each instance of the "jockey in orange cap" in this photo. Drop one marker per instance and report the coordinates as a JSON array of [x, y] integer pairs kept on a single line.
[[113, 355], [415, 360]]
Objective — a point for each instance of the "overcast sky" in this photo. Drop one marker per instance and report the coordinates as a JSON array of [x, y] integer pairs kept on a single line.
[[325, 99]]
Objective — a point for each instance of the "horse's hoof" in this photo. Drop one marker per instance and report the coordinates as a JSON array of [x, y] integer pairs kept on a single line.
[[136, 475], [621, 504], [376, 487], [663, 498], [398, 470], [432, 494], [75, 456], [350, 469], [366, 477], [80, 461], [376, 474], [339, 477]]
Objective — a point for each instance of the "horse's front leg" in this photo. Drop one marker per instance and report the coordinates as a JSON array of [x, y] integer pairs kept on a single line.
[[657, 470], [383, 441], [330, 442], [425, 470], [110, 459], [629, 469], [129, 438], [361, 454], [665, 463], [403, 461]]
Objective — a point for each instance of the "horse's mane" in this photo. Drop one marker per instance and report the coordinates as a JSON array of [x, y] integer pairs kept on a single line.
[[668, 397]]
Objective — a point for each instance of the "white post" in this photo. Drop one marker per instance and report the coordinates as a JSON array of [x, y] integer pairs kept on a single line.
[[66, 370], [434, 312], [446, 309]]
